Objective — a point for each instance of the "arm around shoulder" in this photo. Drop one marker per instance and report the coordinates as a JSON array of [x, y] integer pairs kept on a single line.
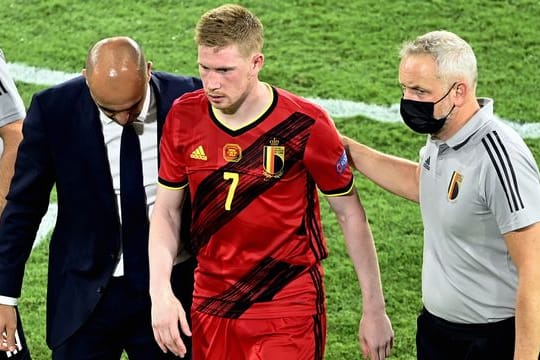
[[397, 175]]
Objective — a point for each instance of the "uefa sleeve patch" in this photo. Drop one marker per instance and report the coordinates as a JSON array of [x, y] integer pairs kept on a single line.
[[342, 163]]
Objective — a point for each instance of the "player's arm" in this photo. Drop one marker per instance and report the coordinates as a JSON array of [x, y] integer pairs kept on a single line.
[[167, 310], [397, 175], [376, 334], [11, 135], [524, 248]]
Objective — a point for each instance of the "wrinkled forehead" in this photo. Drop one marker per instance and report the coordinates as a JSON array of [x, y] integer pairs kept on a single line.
[[417, 68]]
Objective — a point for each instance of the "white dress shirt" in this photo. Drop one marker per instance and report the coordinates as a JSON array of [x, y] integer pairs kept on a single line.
[[146, 127]]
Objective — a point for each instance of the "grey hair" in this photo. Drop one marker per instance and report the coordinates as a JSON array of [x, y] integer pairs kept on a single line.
[[454, 56]]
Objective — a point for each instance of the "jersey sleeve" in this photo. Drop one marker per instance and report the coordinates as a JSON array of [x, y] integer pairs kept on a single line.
[[511, 185], [172, 169], [326, 159], [11, 105]]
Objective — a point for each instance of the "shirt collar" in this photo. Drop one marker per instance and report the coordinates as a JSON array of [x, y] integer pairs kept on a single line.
[[478, 120]]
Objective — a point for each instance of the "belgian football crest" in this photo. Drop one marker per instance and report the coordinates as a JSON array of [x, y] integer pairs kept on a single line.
[[454, 185], [273, 159], [232, 152]]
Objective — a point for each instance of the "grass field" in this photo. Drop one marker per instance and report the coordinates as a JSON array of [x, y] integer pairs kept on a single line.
[[328, 49]]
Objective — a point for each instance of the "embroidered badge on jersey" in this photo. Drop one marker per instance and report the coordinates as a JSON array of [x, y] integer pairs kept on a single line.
[[455, 184], [342, 163], [232, 152], [273, 159]]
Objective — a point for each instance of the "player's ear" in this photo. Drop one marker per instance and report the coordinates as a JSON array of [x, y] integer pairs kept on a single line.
[[257, 61]]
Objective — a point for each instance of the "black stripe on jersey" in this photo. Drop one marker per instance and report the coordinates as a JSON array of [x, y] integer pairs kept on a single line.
[[4, 91], [317, 243], [261, 284], [209, 214], [174, 185], [317, 279], [344, 190], [505, 171], [319, 334]]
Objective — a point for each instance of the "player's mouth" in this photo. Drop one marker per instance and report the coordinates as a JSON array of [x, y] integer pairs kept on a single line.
[[215, 97]]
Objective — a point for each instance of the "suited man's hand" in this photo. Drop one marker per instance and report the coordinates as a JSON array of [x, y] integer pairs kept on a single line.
[[167, 312], [8, 325]]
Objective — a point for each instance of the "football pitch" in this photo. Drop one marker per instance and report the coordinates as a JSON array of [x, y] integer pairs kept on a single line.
[[318, 49]]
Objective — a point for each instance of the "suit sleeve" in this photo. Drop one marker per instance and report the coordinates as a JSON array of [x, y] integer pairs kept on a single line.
[[27, 201]]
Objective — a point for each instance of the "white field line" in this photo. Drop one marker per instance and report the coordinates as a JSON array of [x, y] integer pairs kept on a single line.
[[47, 224], [335, 107]]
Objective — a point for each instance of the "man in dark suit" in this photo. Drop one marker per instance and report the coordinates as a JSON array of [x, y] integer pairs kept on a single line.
[[97, 295], [12, 113]]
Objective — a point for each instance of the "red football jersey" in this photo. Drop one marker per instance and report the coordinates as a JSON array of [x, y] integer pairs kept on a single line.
[[256, 226]]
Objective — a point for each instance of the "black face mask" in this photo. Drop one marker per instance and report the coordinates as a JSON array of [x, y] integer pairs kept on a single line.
[[418, 115]]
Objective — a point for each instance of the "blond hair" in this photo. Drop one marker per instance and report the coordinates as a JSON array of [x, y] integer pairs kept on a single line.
[[230, 24]]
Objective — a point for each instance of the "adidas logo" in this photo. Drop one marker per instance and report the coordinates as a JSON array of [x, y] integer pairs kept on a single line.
[[199, 154], [427, 163]]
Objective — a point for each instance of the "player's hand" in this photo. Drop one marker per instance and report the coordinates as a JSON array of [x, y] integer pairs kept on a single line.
[[376, 335], [8, 325], [167, 313]]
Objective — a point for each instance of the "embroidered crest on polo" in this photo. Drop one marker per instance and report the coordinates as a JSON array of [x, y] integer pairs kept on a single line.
[[454, 185], [273, 159]]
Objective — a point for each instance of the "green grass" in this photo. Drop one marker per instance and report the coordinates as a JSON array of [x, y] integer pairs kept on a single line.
[[329, 49]]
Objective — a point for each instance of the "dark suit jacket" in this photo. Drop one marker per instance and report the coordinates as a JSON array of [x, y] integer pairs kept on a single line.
[[63, 145]]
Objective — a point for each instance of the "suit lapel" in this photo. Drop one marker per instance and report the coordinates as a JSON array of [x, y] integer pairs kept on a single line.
[[91, 136]]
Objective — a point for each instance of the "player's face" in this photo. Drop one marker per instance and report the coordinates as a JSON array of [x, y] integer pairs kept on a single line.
[[228, 76]]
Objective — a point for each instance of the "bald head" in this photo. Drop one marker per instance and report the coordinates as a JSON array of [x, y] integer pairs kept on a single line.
[[117, 73], [111, 57]]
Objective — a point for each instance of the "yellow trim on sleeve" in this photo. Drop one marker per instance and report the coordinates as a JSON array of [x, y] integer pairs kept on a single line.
[[172, 188], [341, 194]]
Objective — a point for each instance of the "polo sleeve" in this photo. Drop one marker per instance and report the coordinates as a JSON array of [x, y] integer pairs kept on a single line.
[[512, 183]]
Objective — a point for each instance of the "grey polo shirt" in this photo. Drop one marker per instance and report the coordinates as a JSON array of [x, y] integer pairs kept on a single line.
[[11, 104], [478, 185]]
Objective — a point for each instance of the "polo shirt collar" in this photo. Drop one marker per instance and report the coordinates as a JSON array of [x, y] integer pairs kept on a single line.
[[478, 120]]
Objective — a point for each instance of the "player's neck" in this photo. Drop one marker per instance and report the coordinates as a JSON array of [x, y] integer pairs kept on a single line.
[[252, 107]]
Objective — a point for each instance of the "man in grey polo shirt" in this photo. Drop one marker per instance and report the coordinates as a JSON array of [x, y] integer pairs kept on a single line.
[[478, 187], [12, 112]]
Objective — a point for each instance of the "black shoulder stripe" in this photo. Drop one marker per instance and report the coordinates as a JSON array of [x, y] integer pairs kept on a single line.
[[505, 171], [513, 173], [4, 91]]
